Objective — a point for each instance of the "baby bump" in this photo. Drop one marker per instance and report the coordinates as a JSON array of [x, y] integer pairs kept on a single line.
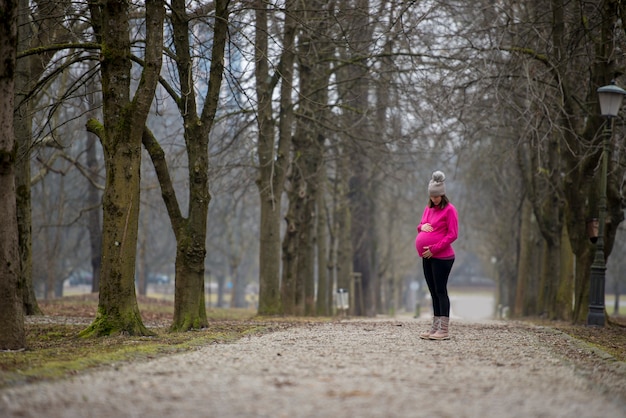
[[424, 239]]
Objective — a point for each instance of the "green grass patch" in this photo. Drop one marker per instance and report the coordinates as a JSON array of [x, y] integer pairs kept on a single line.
[[55, 350]]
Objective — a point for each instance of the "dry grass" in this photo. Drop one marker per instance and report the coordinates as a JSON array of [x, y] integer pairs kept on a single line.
[[610, 338]]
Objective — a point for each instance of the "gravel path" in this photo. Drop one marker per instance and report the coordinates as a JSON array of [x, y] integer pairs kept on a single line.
[[350, 368]]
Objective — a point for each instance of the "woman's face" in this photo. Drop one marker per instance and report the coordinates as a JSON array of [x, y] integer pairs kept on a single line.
[[436, 200]]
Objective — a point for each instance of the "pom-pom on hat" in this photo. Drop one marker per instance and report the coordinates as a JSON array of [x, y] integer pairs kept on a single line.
[[436, 187]]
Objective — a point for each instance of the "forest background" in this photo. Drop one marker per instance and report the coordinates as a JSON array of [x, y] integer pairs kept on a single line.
[[283, 149]]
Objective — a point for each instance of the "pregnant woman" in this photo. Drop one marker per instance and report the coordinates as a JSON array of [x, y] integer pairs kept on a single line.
[[436, 232]]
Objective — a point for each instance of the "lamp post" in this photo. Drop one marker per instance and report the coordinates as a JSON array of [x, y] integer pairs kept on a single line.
[[610, 98]]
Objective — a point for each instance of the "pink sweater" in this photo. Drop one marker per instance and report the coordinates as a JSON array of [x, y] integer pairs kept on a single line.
[[445, 223]]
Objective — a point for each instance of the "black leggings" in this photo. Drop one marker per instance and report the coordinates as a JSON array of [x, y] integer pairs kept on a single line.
[[436, 271]]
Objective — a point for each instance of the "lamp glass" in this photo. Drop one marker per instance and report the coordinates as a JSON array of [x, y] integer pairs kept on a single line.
[[610, 98], [610, 103]]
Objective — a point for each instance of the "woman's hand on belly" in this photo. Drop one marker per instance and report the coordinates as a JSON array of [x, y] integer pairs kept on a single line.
[[427, 227]]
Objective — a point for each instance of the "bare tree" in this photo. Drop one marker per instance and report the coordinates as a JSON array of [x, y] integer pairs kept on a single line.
[[120, 135], [273, 155], [190, 231], [39, 27], [307, 172]]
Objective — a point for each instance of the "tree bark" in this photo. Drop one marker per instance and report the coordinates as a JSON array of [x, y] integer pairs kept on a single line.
[[49, 29], [23, 135], [355, 91], [121, 137], [190, 231], [12, 333], [289, 284], [523, 266], [324, 284], [343, 226], [563, 299], [94, 201], [314, 55], [273, 158]]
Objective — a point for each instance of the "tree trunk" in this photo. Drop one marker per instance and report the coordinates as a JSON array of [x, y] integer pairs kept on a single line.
[[581, 284], [525, 251], [121, 137], [289, 283], [355, 91], [94, 202], [190, 232], [189, 309], [308, 142], [269, 255], [550, 275], [323, 283], [141, 275], [23, 135], [50, 29], [12, 334], [343, 226], [271, 169], [565, 291], [306, 256], [273, 158], [238, 290], [361, 234], [384, 280]]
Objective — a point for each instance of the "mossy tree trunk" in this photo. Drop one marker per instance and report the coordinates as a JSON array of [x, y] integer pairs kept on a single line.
[[190, 231], [120, 135], [12, 334]]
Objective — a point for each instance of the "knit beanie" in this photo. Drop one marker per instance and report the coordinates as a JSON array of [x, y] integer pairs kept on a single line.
[[436, 186]]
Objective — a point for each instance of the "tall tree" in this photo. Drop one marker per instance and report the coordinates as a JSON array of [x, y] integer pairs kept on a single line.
[[273, 155], [190, 231], [121, 135], [12, 334], [355, 93], [307, 174], [22, 125], [48, 28]]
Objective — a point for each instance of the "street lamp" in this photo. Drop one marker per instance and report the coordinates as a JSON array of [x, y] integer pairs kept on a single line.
[[610, 98]]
